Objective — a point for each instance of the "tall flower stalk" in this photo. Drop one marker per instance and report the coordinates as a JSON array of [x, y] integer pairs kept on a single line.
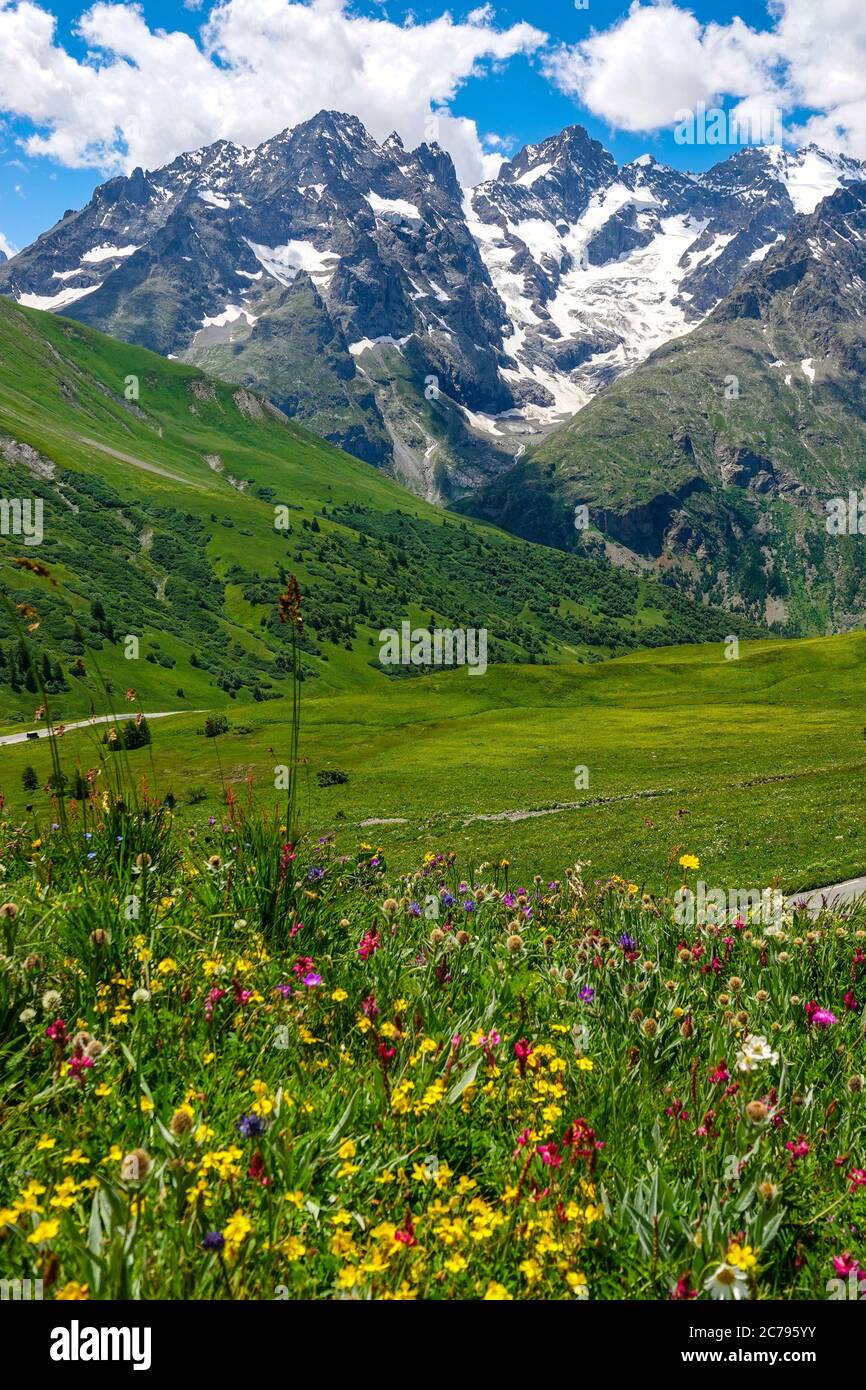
[[30, 614], [291, 616]]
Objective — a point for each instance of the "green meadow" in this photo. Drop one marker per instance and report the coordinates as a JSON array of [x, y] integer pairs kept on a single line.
[[754, 764], [609, 727]]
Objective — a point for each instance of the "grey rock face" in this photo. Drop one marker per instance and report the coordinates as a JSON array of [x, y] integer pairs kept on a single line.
[[426, 329], [626, 259]]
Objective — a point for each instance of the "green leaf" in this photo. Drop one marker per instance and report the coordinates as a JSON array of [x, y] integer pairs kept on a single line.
[[343, 1121], [466, 1080]]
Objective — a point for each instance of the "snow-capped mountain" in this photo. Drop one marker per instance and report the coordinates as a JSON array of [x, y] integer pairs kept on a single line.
[[282, 266], [598, 270], [424, 327], [728, 494]]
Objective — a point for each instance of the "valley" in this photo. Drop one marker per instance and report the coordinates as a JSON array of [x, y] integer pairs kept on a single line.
[[755, 765], [753, 762], [432, 681]]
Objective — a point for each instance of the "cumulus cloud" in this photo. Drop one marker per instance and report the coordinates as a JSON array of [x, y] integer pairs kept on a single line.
[[811, 64], [825, 48], [6, 246], [142, 95], [657, 60]]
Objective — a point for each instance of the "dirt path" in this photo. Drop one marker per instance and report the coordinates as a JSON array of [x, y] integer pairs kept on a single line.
[[99, 719], [139, 463], [834, 895], [570, 806]]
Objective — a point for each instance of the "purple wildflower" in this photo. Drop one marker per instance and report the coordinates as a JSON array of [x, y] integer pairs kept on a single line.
[[251, 1126]]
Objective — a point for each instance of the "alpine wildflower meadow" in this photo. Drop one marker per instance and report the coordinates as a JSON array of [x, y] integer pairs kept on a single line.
[[239, 1065]]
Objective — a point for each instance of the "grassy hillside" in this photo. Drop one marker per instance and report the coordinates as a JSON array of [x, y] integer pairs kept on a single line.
[[751, 763], [159, 517]]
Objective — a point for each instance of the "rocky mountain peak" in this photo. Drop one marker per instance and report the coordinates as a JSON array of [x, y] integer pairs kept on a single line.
[[815, 278], [324, 267]]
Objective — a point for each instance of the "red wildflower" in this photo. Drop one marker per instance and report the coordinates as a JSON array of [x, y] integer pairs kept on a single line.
[[550, 1155], [369, 944], [256, 1170], [800, 1148], [522, 1051], [214, 995], [683, 1289], [406, 1233]]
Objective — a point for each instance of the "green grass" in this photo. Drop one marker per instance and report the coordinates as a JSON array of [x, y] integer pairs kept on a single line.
[[193, 567], [753, 764], [230, 1073]]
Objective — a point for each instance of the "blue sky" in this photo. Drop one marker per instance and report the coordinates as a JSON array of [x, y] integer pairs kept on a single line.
[[536, 108], [77, 106]]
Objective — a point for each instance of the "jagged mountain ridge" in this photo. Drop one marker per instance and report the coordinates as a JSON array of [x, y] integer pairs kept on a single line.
[[714, 462], [423, 328], [597, 272]]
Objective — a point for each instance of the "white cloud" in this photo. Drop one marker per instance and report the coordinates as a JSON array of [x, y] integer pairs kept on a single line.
[[660, 59], [825, 46], [141, 96], [657, 60], [6, 246]]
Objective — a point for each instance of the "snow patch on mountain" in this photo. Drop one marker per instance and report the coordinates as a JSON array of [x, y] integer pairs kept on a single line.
[[284, 262], [214, 199], [532, 176], [393, 207], [230, 314], [811, 174], [107, 253], [761, 251], [386, 340], [634, 294], [55, 302]]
